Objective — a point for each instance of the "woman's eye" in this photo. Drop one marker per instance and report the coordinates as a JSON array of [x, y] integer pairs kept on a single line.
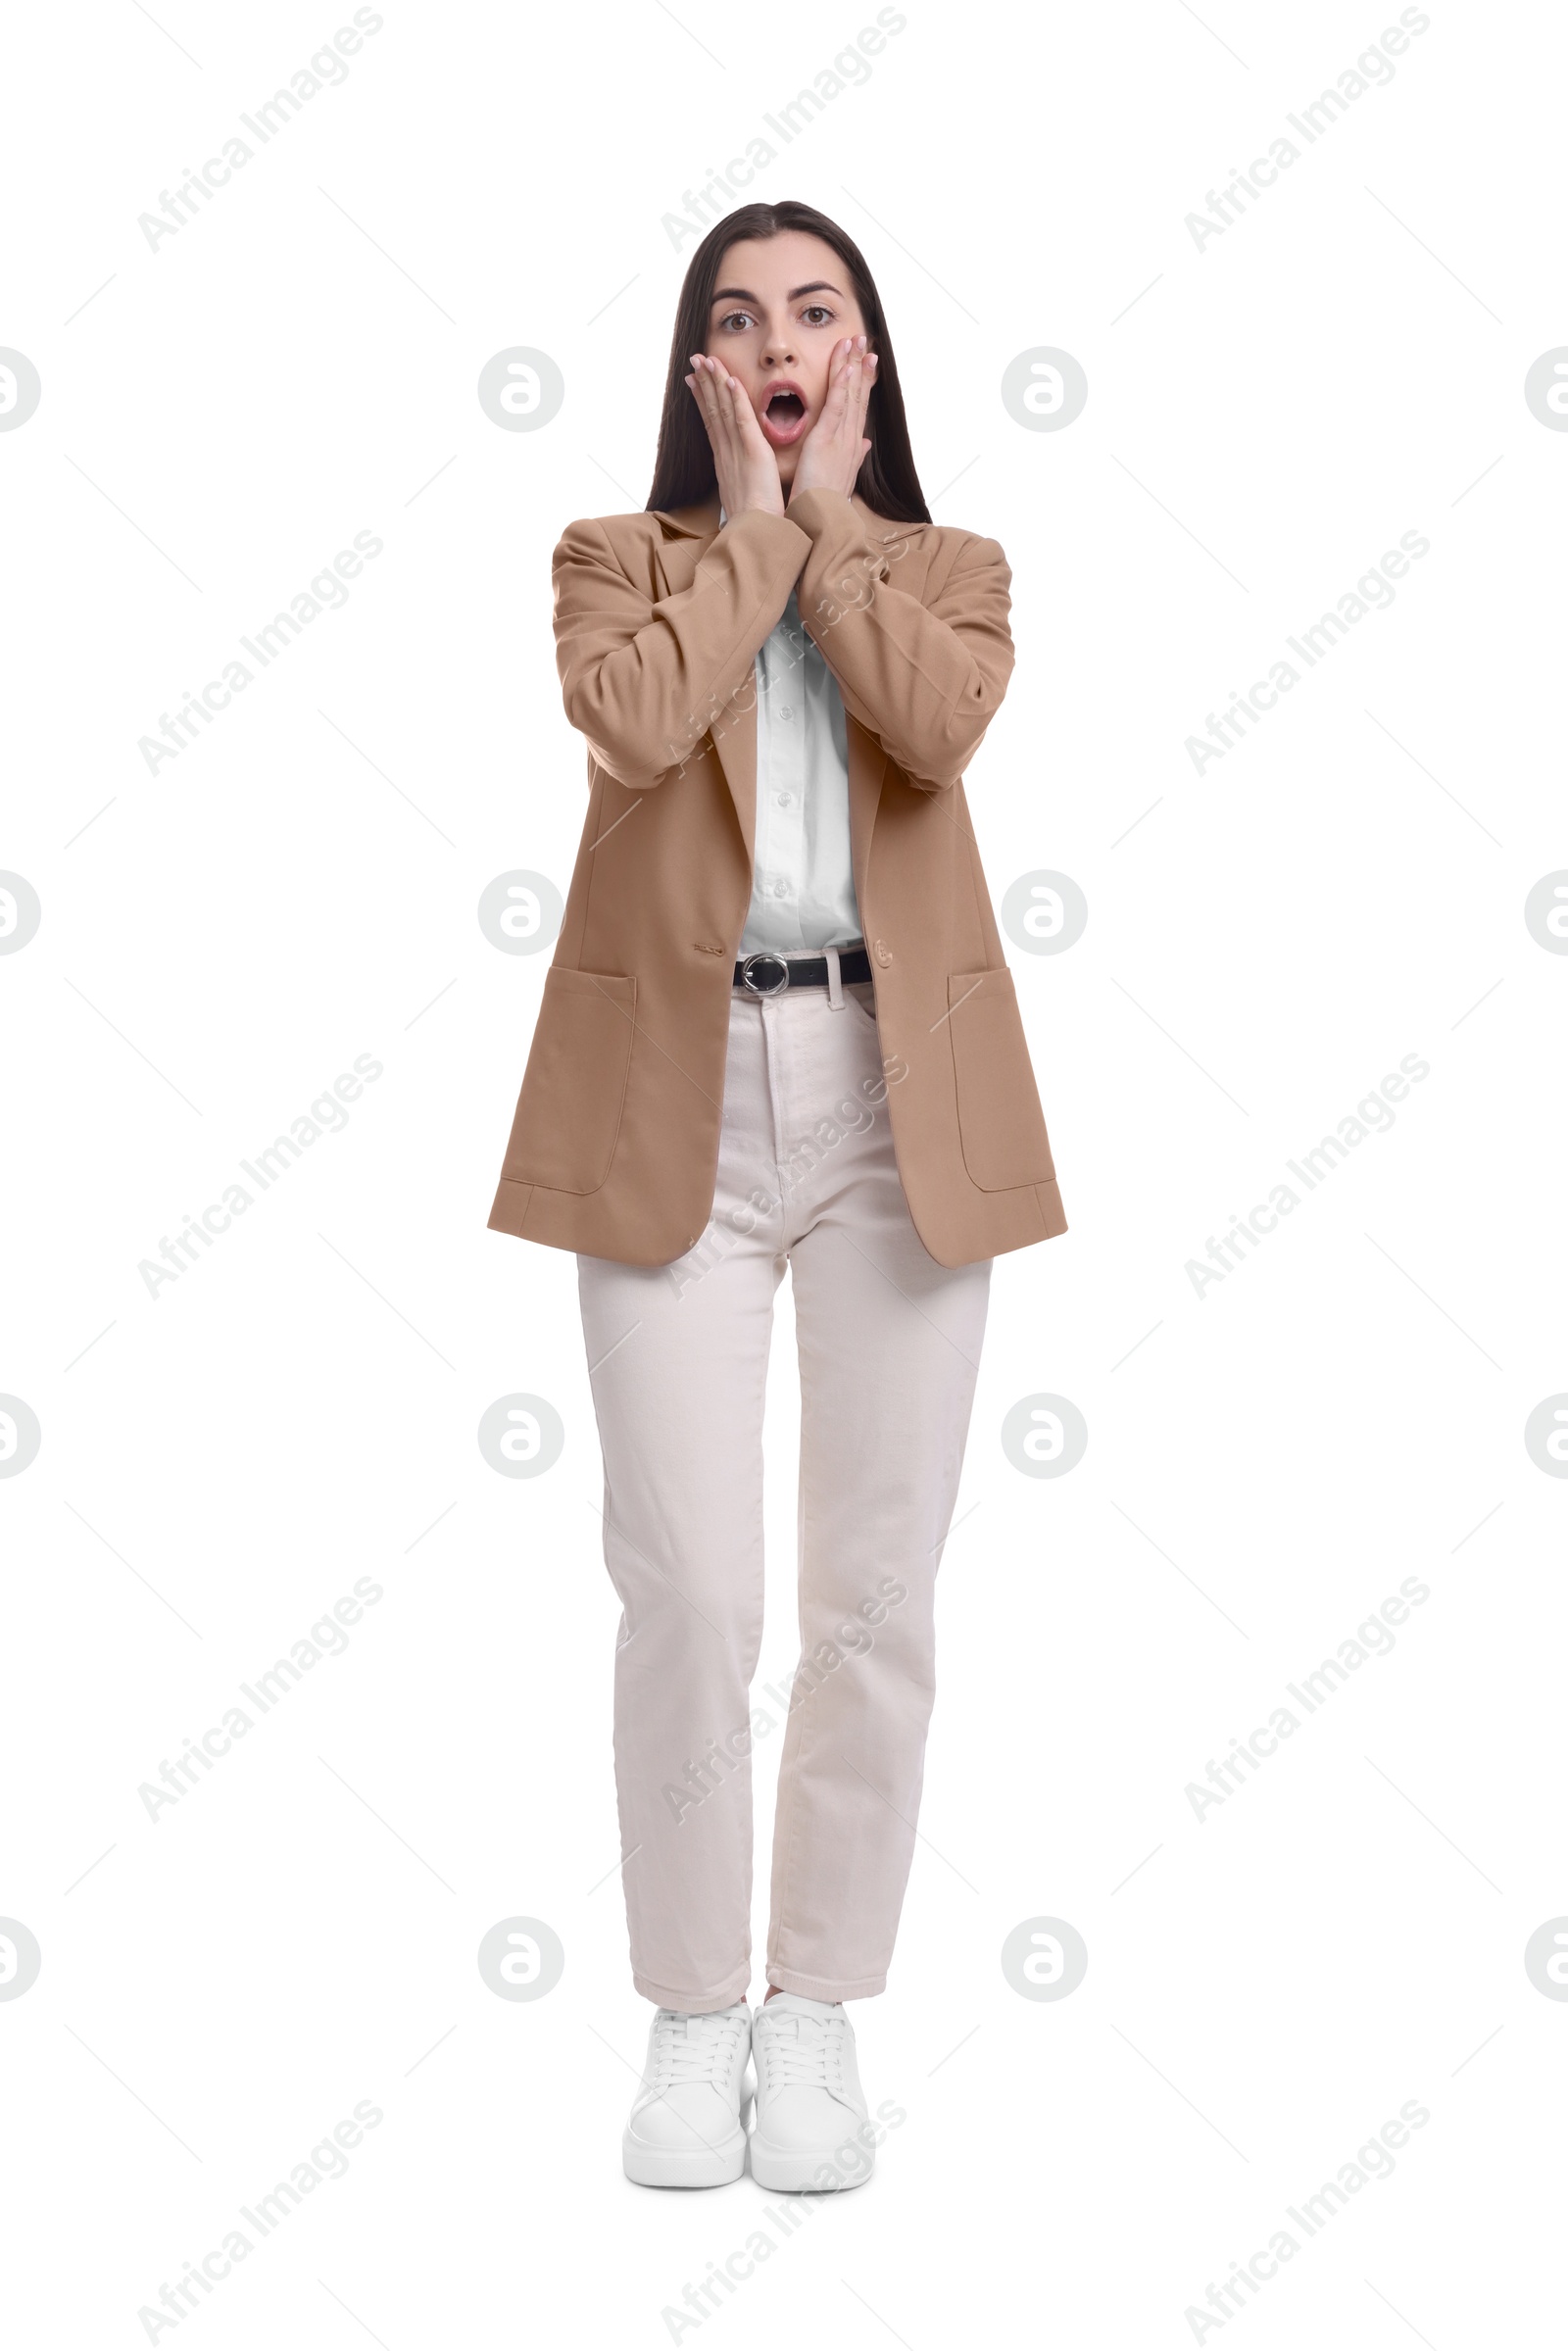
[[824, 314], [734, 317]]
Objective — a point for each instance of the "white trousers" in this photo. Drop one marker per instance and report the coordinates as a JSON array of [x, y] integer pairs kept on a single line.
[[888, 1345]]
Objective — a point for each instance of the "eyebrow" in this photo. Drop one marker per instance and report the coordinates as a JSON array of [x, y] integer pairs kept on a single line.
[[819, 286]]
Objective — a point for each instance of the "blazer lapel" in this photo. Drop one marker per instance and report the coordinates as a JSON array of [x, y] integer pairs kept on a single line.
[[867, 763], [687, 534]]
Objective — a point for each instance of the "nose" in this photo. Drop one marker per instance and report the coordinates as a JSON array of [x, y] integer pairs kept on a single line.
[[778, 354]]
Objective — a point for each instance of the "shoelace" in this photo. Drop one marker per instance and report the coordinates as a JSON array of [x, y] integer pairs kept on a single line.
[[692, 2049], [804, 2050]]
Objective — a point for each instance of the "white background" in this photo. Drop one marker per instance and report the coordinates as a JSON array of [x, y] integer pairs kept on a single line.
[[1267, 1986]]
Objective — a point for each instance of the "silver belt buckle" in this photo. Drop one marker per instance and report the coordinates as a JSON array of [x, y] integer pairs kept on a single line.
[[754, 987]]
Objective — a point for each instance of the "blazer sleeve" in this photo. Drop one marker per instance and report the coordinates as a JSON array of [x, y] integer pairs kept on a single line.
[[927, 678], [644, 680]]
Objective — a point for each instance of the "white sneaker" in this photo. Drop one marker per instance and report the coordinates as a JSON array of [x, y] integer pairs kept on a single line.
[[685, 2129], [809, 2106]]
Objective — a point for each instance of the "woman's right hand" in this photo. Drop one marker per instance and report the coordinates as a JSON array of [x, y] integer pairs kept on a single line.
[[743, 459]]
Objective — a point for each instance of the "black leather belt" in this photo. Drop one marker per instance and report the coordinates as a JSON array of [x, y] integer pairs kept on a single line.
[[765, 975]]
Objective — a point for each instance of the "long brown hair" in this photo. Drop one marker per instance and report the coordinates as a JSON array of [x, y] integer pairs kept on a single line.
[[683, 468]]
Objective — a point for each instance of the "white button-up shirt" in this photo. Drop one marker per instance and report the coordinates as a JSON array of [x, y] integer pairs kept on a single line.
[[802, 881]]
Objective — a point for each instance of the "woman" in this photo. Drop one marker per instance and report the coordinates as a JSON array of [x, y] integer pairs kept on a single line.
[[778, 1029]]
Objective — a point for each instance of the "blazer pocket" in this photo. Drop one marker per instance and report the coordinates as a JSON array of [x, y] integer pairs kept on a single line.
[[575, 1087], [1001, 1127]]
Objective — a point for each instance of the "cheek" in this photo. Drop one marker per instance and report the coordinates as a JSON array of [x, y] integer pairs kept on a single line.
[[822, 365]]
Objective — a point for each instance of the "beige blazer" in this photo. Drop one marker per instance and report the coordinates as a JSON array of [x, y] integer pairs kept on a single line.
[[659, 619]]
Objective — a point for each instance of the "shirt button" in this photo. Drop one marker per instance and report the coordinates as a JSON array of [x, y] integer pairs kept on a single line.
[[785, 800], [785, 711], [780, 889], [883, 952]]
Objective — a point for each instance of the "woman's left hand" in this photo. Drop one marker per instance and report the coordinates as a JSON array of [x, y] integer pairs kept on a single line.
[[835, 449]]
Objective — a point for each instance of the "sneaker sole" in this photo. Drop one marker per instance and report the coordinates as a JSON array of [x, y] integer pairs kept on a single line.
[[789, 2172], [674, 2167]]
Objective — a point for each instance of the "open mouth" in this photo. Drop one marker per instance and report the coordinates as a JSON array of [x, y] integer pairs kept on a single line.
[[783, 420]]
